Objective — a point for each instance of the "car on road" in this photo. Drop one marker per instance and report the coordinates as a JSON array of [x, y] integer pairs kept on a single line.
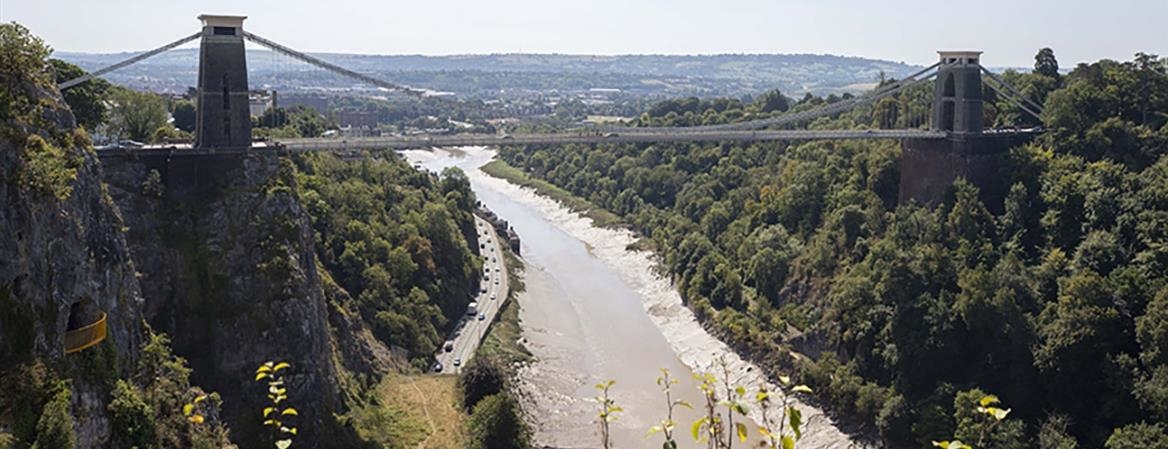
[[457, 362], [437, 367], [449, 346], [496, 282], [492, 296], [482, 316]]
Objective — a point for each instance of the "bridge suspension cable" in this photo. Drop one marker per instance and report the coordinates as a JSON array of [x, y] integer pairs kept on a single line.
[[133, 60], [1014, 101], [810, 114], [995, 77], [328, 66]]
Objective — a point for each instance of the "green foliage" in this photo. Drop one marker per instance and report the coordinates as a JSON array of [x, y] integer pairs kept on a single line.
[[1138, 436], [24, 69], [184, 115], [54, 429], [86, 100], [496, 423], [1053, 434], [136, 115], [1045, 63], [48, 170], [131, 418], [480, 378], [983, 424], [297, 121], [398, 240]]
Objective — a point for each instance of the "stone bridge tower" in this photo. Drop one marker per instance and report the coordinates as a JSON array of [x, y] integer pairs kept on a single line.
[[928, 167], [223, 119]]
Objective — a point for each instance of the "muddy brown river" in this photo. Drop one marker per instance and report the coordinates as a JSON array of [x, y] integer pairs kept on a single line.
[[594, 311]]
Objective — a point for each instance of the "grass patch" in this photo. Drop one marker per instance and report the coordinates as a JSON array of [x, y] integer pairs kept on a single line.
[[413, 411], [502, 340], [600, 217]]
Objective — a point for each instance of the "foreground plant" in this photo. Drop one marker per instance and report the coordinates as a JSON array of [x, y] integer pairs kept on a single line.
[[775, 431], [989, 406], [668, 424], [608, 412], [276, 414]]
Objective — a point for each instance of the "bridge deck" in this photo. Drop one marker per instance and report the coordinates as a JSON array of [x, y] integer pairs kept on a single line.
[[422, 141]]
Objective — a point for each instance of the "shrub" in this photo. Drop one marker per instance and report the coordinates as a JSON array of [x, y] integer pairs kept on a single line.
[[55, 426], [132, 418], [495, 423], [482, 377]]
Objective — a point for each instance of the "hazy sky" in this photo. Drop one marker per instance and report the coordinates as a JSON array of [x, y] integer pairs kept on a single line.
[[1009, 31]]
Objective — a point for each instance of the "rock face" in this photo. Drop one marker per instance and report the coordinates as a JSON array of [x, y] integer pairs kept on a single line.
[[63, 260], [227, 255]]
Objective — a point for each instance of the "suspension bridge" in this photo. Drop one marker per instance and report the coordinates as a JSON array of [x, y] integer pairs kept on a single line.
[[943, 138]]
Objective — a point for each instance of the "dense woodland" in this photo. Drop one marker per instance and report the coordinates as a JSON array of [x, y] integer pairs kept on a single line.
[[1058, 303], [399, 240]]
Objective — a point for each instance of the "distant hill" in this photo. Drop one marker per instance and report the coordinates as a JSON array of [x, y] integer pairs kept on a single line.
[[487, 75]]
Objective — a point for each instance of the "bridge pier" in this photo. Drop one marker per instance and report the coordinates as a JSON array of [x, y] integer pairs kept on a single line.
[[928, 167], [223, 117]]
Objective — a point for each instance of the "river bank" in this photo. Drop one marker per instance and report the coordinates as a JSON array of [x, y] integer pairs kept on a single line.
[[563, 334]]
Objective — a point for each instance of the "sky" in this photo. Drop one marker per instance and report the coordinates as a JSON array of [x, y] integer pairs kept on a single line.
[[1009, 31]]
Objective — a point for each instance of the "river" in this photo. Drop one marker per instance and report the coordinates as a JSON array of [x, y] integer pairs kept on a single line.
[[595, 311]]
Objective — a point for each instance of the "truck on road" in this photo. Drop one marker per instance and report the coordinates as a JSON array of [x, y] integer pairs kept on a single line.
[[472, 309]]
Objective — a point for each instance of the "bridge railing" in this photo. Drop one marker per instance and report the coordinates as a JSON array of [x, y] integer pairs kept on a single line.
[[85, 337]]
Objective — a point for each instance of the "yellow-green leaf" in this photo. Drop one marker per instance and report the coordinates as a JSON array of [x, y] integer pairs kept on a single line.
[[201, 398], [988, 400], [260, 376], [801, 389], [761, 396], [740, 391], [764, 431], [786, 380], [269, 411], [271, 422], [941, 444], [187, 409], [997, 413], [683, 404], [197, 419], [289, 411], [283, 444], [280, 366], [653, 430], [788, 442], [796, 419], [741, 428], [696, 429]]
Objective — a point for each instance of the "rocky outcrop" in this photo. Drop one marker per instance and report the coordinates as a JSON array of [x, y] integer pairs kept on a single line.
[[227, 257], [63, 261]]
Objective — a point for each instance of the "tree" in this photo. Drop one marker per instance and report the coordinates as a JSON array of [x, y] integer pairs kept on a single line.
[[495, 423], [1138, 436], [137, 115], [55, 426], [1046, 64], [184, 116], [1152, 331], [481, 377], [772, 100], [88, 99]]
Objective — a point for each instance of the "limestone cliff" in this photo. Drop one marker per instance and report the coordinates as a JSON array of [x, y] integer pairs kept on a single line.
[[227, 259], [63, 258]]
